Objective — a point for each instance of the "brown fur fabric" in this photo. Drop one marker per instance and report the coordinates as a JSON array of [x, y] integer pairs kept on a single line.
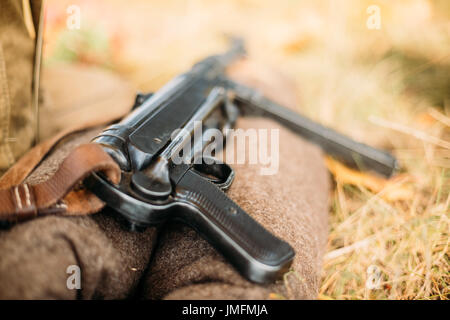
[[172, 261], [36, 254]]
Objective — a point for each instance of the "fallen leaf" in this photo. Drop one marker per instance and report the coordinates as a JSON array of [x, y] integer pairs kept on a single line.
[[425, 119], [389, 189], [276, 296], [296, 44], [324, 297]]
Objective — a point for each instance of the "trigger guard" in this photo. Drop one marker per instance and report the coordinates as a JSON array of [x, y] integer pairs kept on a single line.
[[220, 174]]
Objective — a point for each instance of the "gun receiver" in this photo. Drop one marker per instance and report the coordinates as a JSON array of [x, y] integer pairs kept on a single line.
[[155, 188]]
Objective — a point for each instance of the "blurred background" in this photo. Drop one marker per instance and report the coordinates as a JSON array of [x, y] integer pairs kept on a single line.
[[378, 71]]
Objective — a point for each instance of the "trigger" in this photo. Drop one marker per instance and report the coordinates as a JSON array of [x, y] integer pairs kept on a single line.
[[153, 183], [220, 174]]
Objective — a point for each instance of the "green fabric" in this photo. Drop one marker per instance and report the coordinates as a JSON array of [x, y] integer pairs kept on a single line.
[[17, 49]]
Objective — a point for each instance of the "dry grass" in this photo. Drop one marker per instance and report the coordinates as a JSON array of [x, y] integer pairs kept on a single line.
[[387, 87]]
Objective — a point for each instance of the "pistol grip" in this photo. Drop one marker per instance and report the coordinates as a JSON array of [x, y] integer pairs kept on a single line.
[[254, 252]]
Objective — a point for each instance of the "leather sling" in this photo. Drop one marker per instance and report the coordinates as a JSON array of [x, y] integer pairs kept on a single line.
[[62, 194], [59, 195]]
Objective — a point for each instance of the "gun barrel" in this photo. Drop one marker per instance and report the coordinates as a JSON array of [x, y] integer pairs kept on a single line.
[[176, 101], [209, 67], [343, 148]]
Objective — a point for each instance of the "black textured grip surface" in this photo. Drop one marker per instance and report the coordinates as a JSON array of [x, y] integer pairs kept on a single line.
[[232, 231]]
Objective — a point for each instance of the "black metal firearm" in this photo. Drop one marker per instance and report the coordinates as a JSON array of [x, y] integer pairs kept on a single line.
[[154, 188]]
